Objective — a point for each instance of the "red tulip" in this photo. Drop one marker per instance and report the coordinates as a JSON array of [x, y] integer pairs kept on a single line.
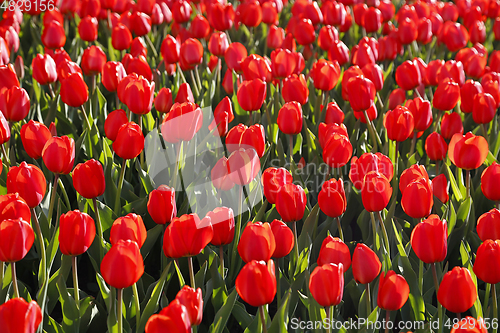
[[415, 172], [484, 108], [87, 29], [222, 219], [326, 284], [291, 202], [458, 278], [88, 179], [251, 94], [66, 67], [334, 115], [470, 324], [360, 167], [486, 266], [170, 49], [53, 35], [129, 227], [446, 96], [199, 28], [16, 239], [376, 191], [190, 54], [17, 315], [421, 111], [123, 265], [187, 236], [242, 136], [193, 301], [129, 141], [163, 101], [488, 225], [15, 104], [59, 154], [451, 124], [331, 199], [76, 232], [182, 122], [467, 152], [417, 198], [334, 251], [435, 147], [399, 124], [13, 207], [393, 291], [181, 11], [361, 92], [184, 94], [137, 93], [453, 35], [452, 70], [429, 239], [272, 180], [220, 175], [257, 242], [283, 237], [218, 43], [397, 97], [44, 69], [275, 37], [8, 77], [325, 74], [243, 165], [29, 181], [327, 36], [121, 37], [112, 73], [365, 264], [256, 67], [408, 75], [290, 118], [223, 115], [234, 55], [256, 283], [467, 93], [337, 151], [161, 204], [74, 90], [93, 60], [440, 188], [140, 23], [113, 122], [173, 318], [489, 178], [285, 63]]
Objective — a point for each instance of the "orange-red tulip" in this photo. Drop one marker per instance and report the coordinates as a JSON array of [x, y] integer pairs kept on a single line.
[[468, 151], [123, 265], [334, 251], [326, 284], [393, 291], [458, 279], [256, 283], [257, 242]]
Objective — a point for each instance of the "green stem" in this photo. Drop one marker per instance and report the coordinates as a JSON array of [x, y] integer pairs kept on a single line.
[[263, 318], [487, 299], [329, 311], [175, 174], [191, 272], [278, 283], [119, 310], [2, 269], [14, 279], [484, 127], [436, 287], [384, 232], [339, 226], [495, 305], [6, 157], [43, 289], [413, 142], [137, 305], [237, 232], [387, 319], [89, 126], [290, 144], [221, 258], [371, 130], [198, 80], [75, 281], [53, 198], [368, 300], [119, 190], [467, 183], [99, 229], [64, 193], [195, 85], [296, 243]]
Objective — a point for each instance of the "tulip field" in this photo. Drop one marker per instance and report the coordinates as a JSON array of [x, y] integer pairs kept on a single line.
[[249, 166]]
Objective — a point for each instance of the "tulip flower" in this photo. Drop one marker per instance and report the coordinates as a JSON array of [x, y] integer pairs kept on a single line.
[[272, 180], [325, 74], [291, 202], [13, 207], [222, 219], [399, 124], [74, 90], [488, 225], [417, 198], [393, 291], [218, 43], [182, 122], [486, 266], [470, 324], [112, 74], [290, 118], [334, 251], [163, 101], [446, 96], [190, 54], [337, 150], [429, 239], [421, 111], [93, 60], [257, 242], [173, 318], [451, 124], [184, 94], [113, 122], [365, 264], [129, 141], [8, 77], [76, 233], [334, 115], [243, 165], [161, 204], [53, 35], [44, 69], [256, 67], [283, 237], [285, 63], [376, 191], [436, 147], [458, 279], [408, 75], [59, 154], [129, 227], [251, 94], [484, 109], [87, 29], [187, 236], [326, 133], [137, 93], [440, 188], [326, 284], [331, 199], [121, 37], [88, 179], [223, 115], [220, 175], [467, 93], [295, 89], [17, 315], [256, 283], [193, 301], [242, 136], [368, 162], [490, 177], [15, 104], [29, 181], [122, 266]]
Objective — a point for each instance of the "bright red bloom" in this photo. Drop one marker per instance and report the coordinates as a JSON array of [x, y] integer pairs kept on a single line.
[[334, 114], [376, 191], [291, 202], [408, 75], [283, 237], [87, 28], [256, 283], [44, 69], [76, 232], [74, 91], [337, 151], [113, 122], [334, 251], [365, 264], [446, 96], [15, 104], [93, 60], [16, 239], [393, 291], [29, 181], [193, 301], [468, 151], [222, 219], [88, 179], [489, 180], [137, 93], [429, 239], [184, 94], [272, 180], [182, 122], [187, 236], [173, 318], [121, 37], [325, 74], [257, 242], [417, 198], [129, 141], [190, 54], [361, 93], [53, 35], [161, 204], [285, 63], [331, 199], [59, 154], [17, 315], [399, 124], [436, 147], [470, 324], [458, 278], [484, 108], [421, 111], [163, 101], [488, 225], [13, 207], [243, 165], [467, 93], [234, 55], [218, 43], [440, 188], [368, 162], [290, 118], [451, 124], [487, 264], [129, 227], [327, 284], [251, 94], [123, 265], [112, 74], [256, 67], [170, 49]]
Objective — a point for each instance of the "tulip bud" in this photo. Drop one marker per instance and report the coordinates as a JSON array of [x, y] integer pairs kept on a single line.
[[256, 283], [16, 239], [257, 242], [129, 141], [393, 291], [161, 204], [88, 179], [487, 261], [327, 284], [76, 233], [488, 225], [331, 199], [283, 237], [365, 264], [458, 278], [17, 315], [291, 202], [123, 265], [59, 154]]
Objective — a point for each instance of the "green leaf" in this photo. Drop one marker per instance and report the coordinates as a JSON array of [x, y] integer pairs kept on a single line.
[[280, 320], [71, 315], [454, 185], [223, 314]]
